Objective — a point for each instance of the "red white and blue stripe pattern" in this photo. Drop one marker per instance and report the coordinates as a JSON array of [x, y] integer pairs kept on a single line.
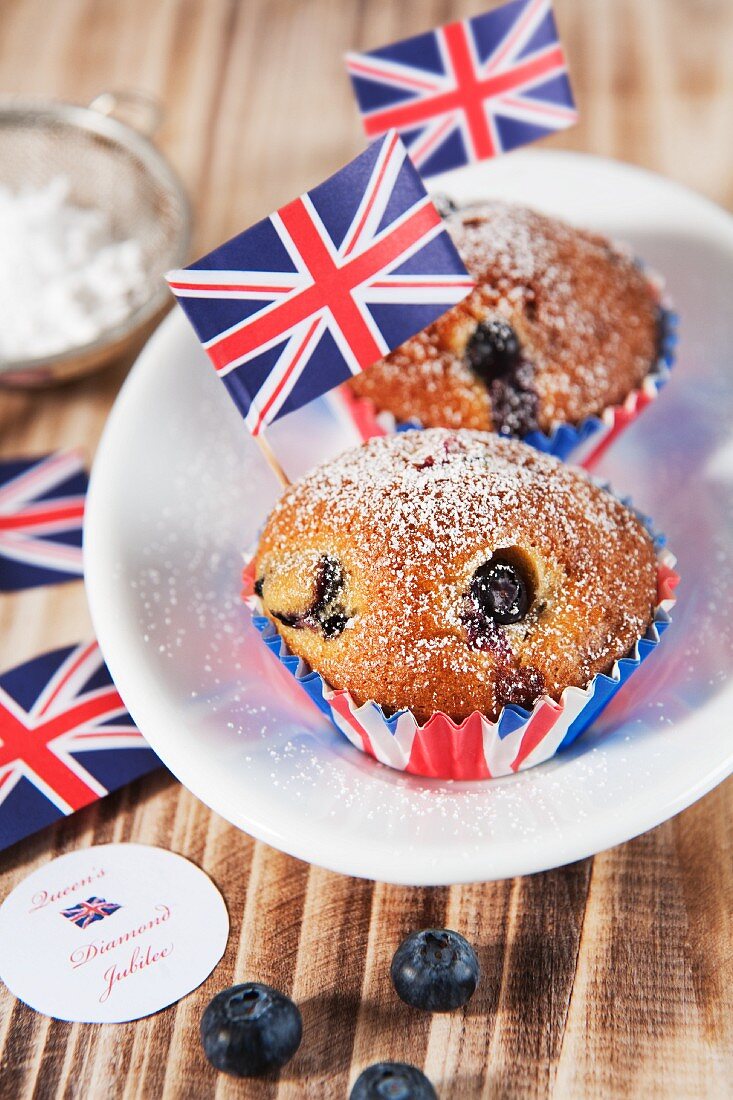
[[41, 515], [88, 912], [66, 739], [477, 748], [469, 90], [325, 287]]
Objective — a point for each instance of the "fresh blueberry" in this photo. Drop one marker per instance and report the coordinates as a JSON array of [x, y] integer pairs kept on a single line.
[[392, 1081], [250, 1029], [493, 350], [435, 969], [501, 592]]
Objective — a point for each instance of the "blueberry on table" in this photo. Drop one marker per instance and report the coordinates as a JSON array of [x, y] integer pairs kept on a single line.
[[435, 969], [250, 1029], [392, 1081]]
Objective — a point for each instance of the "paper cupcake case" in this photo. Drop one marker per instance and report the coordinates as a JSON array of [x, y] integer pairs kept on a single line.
[[586, 442], [477, 748]]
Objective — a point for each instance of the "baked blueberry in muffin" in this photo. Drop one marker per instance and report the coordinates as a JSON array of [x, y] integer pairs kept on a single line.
[[562, 324], [454, 571]]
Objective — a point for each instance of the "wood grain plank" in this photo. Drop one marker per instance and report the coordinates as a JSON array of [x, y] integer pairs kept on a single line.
[[635, 982], [328, 983], [387, 1030], [527, 934], [707, 885]]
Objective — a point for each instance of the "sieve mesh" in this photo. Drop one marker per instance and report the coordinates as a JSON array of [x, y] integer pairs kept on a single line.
[[108, 166]]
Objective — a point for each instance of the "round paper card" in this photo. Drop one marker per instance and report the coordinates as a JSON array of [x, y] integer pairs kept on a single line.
[[111, 933]]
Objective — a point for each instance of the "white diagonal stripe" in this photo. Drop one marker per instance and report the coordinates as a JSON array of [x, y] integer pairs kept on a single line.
[[50, 555], [41, 478], [516, 38], [261, 398], [390, 160], [536, 112], [396, 74]]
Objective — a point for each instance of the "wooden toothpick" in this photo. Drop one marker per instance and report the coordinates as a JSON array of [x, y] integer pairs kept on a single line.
[[271, 460]]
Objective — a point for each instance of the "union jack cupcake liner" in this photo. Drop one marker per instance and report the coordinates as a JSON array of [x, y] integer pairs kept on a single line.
[[584, 443], [477, 748]]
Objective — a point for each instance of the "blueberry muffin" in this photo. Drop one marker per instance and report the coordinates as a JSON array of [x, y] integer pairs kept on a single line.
[[454, 571], [562, 324]]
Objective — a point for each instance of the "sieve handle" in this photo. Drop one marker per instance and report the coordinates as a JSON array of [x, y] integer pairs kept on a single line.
[[138, 109]]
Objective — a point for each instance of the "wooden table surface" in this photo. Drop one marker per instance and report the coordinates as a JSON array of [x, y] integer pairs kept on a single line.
[[611, 977]]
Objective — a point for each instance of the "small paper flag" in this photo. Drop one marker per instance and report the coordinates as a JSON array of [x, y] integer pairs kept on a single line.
[[325, 287], [41, 516], [469, 90], [66, 740]]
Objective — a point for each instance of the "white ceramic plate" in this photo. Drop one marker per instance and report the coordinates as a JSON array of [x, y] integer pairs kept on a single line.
[[179, 489]]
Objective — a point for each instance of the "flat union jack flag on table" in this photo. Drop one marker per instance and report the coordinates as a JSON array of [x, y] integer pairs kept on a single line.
[[66, 740], [325, 287], [469, 90], [41, 514], [87, 912]]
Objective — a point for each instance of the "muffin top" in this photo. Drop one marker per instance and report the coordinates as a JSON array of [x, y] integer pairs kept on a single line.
[[561, 324], [454, 571]]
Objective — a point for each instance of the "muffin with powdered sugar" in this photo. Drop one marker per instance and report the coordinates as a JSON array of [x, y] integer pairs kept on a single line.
[[454, 572], [561, 326]]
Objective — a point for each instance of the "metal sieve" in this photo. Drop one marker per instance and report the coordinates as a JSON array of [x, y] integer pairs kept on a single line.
[[111, 165]]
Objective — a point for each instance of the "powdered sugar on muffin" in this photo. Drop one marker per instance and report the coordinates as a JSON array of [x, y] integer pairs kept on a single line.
[[584, 315], [454, 571]]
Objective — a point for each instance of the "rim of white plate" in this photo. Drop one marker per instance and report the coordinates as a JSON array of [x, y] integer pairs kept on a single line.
[[331, 848]]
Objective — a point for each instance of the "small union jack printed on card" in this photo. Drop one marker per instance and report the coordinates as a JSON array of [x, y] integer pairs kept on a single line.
[[88, 912], [325, 287], [41, 517], [469, 90], [66, 739]]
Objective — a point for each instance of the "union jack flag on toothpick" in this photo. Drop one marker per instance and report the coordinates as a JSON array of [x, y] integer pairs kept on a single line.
[[88, 912], [325, 287], [41, 515], [66, 740], [469, 90]]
